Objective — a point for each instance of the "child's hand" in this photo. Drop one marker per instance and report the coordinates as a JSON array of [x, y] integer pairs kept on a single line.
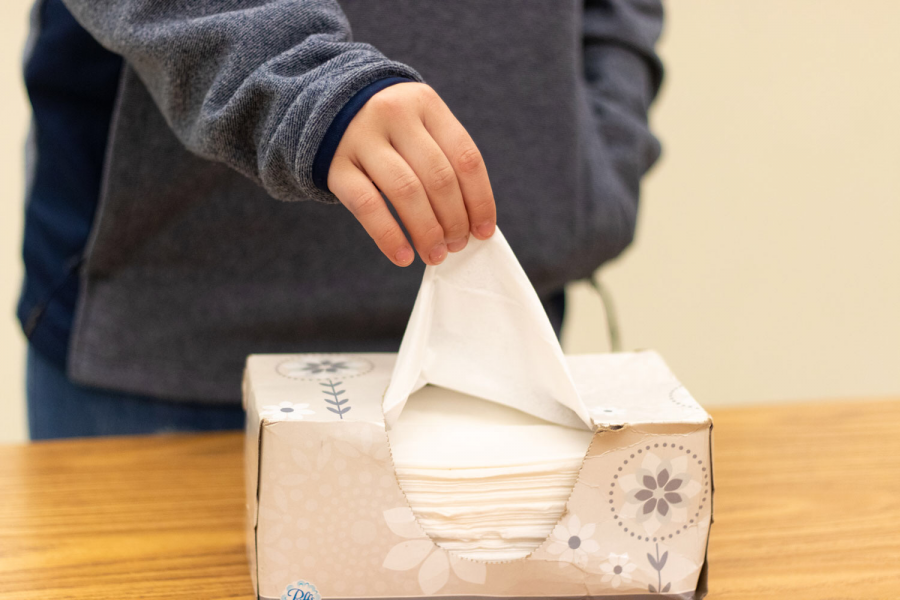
[[406, 141]]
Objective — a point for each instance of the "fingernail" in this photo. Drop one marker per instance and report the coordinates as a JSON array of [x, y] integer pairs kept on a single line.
[[457, 245], [485, 229], [404, 255], [438, 253]]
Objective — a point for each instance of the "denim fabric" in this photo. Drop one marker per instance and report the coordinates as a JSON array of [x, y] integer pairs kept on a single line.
[[58, 408]]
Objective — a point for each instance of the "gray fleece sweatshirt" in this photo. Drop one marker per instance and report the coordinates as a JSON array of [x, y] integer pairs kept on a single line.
[[212, 242]]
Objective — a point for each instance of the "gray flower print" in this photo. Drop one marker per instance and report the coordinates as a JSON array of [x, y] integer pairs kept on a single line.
[[659, 493], [320, 367], [325, 366]]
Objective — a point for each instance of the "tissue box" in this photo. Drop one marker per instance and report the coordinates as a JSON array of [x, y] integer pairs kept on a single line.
[[326, 517]]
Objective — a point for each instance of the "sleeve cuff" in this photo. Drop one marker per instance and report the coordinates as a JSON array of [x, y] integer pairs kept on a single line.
[[335, 131]]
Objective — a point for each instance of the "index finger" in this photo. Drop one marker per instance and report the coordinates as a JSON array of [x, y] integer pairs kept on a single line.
[[466, 160]]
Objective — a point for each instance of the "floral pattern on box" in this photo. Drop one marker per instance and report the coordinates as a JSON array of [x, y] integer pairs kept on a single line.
[[337, 516], [332, 513], [324, 366], [418, 551], [285, 411], [572, 542], [660, 490]]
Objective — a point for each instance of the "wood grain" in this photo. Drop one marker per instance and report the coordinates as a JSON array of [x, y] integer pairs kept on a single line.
[[807, 502], [143, 517], [807, 506]]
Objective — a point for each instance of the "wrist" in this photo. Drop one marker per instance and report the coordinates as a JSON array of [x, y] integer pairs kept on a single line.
[[335, 131]]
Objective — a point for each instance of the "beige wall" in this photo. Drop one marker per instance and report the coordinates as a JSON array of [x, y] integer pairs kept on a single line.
[[767, 261], [13, 126], [767, 258]]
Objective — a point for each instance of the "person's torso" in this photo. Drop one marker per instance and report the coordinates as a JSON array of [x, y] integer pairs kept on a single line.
[[191, 266]]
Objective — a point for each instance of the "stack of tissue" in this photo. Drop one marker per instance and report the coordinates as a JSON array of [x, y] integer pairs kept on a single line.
[[484, 480]]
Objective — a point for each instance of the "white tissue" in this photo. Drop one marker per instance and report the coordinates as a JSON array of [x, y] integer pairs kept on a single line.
[[478, 327]]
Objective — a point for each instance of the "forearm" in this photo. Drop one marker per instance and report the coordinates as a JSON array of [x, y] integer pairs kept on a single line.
[[254, 85]]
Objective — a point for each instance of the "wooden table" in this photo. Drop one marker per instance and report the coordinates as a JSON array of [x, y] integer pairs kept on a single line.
[[807, 505]]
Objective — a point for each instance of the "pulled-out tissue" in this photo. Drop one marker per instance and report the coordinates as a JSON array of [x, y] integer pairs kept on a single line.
[[478, 327]]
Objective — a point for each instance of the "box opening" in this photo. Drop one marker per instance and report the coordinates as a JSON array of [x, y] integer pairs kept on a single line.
[[485, 481]]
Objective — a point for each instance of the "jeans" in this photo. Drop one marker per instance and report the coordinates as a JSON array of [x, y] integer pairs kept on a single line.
[[59, 408]]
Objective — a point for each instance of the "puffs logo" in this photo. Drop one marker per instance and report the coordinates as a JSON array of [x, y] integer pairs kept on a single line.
[[302, 590]]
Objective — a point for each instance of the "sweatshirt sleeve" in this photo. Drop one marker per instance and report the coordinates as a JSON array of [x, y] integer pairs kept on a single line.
[[254, 84], [623, 76]]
